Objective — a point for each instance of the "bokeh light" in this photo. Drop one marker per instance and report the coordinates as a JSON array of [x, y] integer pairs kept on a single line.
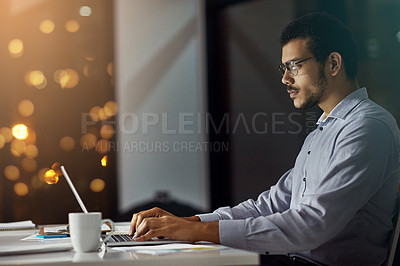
[[11, 172], [102, 114], [36, 78], [90, 58], [67, 143], [85, 11], [16, 48], [29, 164], [111, 108], [107, 131], [110, 69], [85, 70], [57, 168], [46, 26], [2, 141], [21, 189], [20, 131], [31, 151], [88, 141], [67, 78], [26, 108], [72, 26], [6, 133], [97, 185], [94, 113], [103, 146], [104, 161], [42, 173], [17, 147], [51, 177]]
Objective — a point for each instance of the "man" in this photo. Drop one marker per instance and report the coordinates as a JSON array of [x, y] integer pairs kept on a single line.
[[335, 206]]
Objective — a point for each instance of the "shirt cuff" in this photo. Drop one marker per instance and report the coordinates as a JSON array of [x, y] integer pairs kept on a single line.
[[232, 233], [208, 217]]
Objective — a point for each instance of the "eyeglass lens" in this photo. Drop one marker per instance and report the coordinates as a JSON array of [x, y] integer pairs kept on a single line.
[[290, 66]]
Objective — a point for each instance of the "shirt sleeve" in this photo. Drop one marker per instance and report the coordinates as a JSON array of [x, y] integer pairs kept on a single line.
[[355, 172], [277, 199]]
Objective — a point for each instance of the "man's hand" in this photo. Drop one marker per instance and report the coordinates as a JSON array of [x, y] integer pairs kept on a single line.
[[159, 223], [137, 218], [176, 228]]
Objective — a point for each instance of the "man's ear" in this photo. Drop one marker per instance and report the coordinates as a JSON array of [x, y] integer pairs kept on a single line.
[[335, 63]]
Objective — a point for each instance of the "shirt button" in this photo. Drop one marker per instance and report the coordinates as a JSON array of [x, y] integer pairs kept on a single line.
[[308, 152], [321, 128], [304, 179]]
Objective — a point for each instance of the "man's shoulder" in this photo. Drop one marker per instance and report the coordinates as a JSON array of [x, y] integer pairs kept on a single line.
[[367, 112]]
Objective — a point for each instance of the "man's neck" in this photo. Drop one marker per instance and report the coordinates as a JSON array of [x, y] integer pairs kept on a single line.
[[336, 94]]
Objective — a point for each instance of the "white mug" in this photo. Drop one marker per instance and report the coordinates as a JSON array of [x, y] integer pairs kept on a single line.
[[85, 230]]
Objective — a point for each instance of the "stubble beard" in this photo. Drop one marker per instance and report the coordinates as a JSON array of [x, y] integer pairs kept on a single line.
[[315, 94]]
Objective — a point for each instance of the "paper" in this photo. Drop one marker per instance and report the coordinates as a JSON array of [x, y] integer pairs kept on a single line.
[[55, 229], [168, 248], [35, 238], [14, 250], [121, 229], [28, 224]]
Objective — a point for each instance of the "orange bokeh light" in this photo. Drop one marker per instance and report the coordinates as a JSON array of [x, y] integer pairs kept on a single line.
[[97, 185], [111, 108], [6, 133], [26, 108], [20, 131], [29, 164], [51, 177], [21, 189], [107, 131], [17, 147], [11, 172], [67, 143], [72, 26], [36, 78], [16, 48], [47, 26], [2, 141], [104, 160]]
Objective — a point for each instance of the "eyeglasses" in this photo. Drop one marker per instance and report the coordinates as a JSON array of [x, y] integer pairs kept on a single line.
[[291, 66]]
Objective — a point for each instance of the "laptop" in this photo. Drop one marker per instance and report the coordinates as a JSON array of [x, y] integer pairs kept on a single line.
[[118, 240], [124, 240]]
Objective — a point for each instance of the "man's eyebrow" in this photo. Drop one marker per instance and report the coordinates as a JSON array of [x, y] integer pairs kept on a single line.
[[293, 60]]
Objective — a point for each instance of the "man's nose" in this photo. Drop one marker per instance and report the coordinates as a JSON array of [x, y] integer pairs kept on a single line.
[[287, 79]]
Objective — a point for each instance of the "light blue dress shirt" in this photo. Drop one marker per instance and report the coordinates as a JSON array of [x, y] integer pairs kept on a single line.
[[335, 207]]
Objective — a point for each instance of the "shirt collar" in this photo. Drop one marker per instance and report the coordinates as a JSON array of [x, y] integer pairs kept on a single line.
[[346, 105]]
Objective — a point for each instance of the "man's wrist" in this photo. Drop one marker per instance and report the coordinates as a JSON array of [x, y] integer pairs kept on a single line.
[[208, 231], [192, 218]]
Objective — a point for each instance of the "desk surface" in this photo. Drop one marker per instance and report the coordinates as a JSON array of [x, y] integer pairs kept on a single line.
[[212, 257]]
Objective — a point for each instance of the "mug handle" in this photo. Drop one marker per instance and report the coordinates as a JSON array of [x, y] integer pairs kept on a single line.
[[112, 229]]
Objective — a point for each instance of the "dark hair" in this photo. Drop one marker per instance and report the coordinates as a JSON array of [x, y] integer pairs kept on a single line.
[[325, 34]]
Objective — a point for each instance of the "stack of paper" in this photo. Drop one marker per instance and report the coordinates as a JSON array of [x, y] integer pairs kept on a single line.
[[17, 225]]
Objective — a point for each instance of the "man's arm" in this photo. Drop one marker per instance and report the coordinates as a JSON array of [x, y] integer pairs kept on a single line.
[[274, 200], [277, 199]]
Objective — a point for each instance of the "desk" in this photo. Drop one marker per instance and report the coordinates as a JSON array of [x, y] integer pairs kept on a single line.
[[228, 256]]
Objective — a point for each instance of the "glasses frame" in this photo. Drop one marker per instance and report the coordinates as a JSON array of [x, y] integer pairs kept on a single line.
[[291, 66]]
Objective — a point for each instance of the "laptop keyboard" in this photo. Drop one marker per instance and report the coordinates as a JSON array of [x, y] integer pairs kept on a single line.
[[120, 238]]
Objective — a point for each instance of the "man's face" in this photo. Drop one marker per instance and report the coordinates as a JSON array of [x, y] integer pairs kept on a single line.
[[309, 85]]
